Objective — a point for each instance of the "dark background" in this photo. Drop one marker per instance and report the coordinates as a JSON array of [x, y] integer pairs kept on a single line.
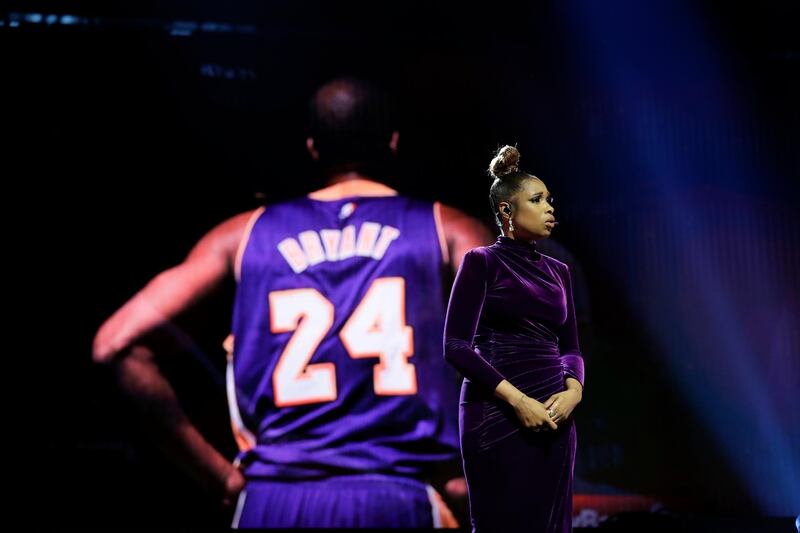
[[668, 134]]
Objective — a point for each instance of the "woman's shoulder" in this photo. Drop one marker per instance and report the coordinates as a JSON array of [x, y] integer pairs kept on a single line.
[[561, 265], [480, 253], [480, 250], [478, 258], [556, 265]]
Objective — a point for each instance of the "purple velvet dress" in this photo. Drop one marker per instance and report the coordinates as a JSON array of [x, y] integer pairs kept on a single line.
[[511, 316]]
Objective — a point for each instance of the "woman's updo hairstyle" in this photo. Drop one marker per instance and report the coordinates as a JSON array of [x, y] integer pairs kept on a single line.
[[507, 178], [505, 162]]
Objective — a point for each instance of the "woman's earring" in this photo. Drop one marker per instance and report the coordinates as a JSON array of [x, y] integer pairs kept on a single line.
[[510, 224]]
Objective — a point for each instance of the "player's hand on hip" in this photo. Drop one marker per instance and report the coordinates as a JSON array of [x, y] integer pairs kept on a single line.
[[234, 483]]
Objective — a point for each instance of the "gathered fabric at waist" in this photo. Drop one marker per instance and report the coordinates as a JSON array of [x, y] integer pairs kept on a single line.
[[503, 345], [515, 355]]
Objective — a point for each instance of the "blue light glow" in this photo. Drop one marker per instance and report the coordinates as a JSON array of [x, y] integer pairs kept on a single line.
[[713, 287]]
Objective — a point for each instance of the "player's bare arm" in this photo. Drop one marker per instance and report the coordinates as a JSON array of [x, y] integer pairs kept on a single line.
[[462, 233], [173, 291]]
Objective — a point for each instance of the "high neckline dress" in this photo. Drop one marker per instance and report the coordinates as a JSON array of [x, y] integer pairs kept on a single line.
[[511, 316]]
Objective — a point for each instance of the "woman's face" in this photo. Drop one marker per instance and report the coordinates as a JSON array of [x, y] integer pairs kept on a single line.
[[532, 211]]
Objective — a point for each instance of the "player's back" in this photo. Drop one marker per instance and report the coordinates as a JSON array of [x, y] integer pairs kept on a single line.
[[337, 324]]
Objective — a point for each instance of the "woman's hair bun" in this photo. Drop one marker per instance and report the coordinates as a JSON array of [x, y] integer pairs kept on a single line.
[[505, 162]]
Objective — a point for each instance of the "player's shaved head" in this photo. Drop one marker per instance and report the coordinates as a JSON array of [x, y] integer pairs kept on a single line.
[[351, 121]]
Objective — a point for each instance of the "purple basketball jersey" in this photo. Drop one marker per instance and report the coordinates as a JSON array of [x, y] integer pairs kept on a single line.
[[337, 325]]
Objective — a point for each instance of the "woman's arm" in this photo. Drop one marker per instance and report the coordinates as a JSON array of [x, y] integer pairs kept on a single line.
[[563, 403], [461, 322], [571, 358]]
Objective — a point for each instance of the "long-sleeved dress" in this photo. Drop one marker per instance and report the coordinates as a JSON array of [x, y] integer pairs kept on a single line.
[[511, 316]]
